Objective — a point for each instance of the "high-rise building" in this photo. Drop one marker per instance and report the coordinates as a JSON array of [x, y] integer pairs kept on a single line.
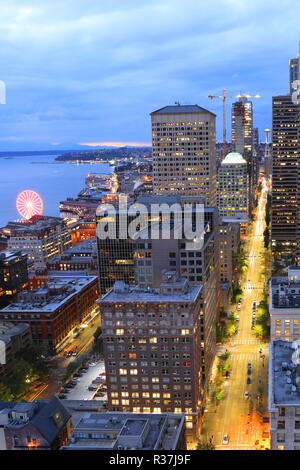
[[233, 188], [40, 238], [242, 140], [285, 180], [184, 151], [13, 275], [152, 349], [294, 74]]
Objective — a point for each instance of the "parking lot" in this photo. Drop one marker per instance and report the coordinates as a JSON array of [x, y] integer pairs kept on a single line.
[[80, 391]]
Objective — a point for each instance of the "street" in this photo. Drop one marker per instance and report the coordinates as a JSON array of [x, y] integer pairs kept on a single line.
[[237, 416]]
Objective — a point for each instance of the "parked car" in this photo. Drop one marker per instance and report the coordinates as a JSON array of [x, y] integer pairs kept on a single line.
[[249, 372], [78, 374], [249, 365], [65, 390], [248, 381], [246, 395], [225, 440], [92, 388], [62, 396]]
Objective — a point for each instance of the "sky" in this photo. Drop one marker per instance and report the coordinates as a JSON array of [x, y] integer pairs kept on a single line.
[[91, 71]]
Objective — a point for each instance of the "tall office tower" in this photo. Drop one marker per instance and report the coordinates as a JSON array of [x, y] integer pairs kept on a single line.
[[198, 265], [184, 151], [294, 73], [242, 140], [285, 179], [152, 349], [256, 153], [233, 188], [115, 254], [267, 156]]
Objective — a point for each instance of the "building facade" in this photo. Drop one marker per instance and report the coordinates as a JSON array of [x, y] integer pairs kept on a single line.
[[55, 310], [40, 238], [152, 349], [41, 425], [184, 152], [284, 395], [233, 188], [13, 275], [284, 174], [14, 338]]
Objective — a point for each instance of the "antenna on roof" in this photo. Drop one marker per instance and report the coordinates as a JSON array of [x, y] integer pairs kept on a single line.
[[177, 103]]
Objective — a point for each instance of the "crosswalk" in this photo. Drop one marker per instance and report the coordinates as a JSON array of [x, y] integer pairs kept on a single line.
[[239, 342], [241, 356]]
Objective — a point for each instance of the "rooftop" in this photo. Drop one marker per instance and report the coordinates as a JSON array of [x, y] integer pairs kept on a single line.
[[115, 430], [284, 373], [9, 330], [182, 109], [54, 294], [126, 294], [233, 158]]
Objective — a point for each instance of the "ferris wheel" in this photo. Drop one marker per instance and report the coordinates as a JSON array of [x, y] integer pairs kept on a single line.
[[29, 203]]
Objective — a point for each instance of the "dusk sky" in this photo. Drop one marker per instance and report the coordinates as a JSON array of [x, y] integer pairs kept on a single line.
[[87, 71]]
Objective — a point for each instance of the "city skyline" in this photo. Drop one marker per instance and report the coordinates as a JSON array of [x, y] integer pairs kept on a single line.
[[95, 73]]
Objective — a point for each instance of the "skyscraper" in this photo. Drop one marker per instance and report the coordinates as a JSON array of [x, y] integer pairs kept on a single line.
[[294, 73], [285, 180], [242, 139], [233, 187], [184, 151]]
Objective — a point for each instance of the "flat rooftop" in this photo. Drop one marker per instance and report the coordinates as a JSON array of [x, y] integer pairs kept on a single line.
[[182, 109], [123, 425], [284, 374], [72, 285], [135, 294]]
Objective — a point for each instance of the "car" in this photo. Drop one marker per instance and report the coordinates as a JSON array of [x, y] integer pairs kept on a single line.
[[239, 307], [99, 395], [249, 365], [71, 385], [248, 381], [78, 374], [254, 304], [62, 396], [225, 440], [69, 354], [103, 373], [246, 395], [237, 318], [92, 364], [74, 353], [75, 380], [249, 371], [92, 388], [65, 390], [83, 370]]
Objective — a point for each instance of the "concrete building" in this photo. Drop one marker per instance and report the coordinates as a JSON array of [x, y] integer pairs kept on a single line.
[[13, 338], [13, 275], [153, 349], [55, 310], [40, 425], [184, 151], [294, 74], [81, 257], [284, 174], [40, 238], [284, 305], [233, 188], [128, 431], [284, 395]]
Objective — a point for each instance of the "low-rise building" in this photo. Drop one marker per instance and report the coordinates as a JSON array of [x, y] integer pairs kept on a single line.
[[128, 431], [13, 275], [284, 395], [284, 305], [40, 238], [12, 339], [82, 257], [40, 425], [55, 310]]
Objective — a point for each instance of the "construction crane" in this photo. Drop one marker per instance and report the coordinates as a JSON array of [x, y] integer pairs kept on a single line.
[[224, 97]]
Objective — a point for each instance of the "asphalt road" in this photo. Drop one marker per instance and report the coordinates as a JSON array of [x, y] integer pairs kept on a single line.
[[235, 415]]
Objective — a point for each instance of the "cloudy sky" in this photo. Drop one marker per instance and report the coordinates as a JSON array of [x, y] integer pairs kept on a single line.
[[91, 71]]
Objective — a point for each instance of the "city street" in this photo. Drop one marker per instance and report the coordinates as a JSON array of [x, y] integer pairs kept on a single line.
[[235, 415]]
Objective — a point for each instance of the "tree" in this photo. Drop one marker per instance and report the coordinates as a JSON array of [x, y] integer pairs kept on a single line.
[[266, 237], [98, 342], [5, 392], [220, 395], [206, 446]]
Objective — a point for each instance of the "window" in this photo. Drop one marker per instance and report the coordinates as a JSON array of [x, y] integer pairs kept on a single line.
[[280, 437], [281, 425], [281, 411]]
